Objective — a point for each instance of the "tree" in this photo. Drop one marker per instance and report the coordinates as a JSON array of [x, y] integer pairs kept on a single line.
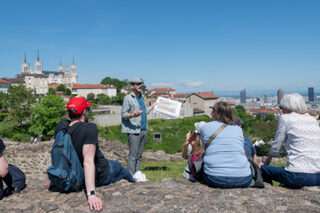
[[61, 87], [51, 91], [3, 101], [264, 130], [104, 99], [20, 100], [90, 97], [270, 117], [67, 92], [116, 82], [46, 114], [118, 99], [240, 109]]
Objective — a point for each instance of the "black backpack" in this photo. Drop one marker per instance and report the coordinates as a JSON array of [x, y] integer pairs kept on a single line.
[[15, 180]]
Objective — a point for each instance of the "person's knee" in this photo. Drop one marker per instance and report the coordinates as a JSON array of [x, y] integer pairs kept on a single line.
[[3, 171], [133, 154]]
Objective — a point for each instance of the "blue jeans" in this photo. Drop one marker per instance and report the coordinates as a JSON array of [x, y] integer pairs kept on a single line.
[[289, 179], [226, 182], [116, 173]]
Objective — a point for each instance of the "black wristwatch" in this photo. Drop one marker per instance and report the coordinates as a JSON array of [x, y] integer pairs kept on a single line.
[[93, 192]]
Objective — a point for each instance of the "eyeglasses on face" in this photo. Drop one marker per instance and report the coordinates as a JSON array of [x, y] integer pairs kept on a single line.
[[138, 84]]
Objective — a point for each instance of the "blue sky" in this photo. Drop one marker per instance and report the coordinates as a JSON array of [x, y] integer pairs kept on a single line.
[[214, 45]]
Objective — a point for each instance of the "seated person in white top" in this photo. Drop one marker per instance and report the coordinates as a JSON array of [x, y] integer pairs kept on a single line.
[[300, 133]]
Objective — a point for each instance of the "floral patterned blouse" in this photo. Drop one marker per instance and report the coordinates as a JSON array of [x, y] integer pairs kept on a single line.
[[301, 135]]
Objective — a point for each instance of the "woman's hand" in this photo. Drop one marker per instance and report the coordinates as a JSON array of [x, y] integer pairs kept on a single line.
[[266, 162], [188, 135]]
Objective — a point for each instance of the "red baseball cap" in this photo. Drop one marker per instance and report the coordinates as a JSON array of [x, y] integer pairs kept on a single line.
[[79, 104]]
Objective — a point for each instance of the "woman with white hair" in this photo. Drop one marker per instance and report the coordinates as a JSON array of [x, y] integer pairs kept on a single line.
[[301, 134]]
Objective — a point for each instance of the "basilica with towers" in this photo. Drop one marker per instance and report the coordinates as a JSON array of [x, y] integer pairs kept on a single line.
[[39, 79]]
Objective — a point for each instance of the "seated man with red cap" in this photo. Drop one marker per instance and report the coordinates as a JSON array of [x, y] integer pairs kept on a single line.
[[98, 170]]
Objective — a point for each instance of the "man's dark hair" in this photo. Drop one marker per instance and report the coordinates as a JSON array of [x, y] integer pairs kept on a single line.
[[222, 112], [73, 115]]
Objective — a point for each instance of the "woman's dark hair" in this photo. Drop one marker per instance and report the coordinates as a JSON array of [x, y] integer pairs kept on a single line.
[[222, 112], [72, 114]]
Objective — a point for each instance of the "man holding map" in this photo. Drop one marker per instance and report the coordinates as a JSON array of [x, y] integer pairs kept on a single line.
[[134, 123]]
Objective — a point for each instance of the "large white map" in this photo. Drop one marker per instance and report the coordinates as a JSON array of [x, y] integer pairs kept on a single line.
[[168, 107]]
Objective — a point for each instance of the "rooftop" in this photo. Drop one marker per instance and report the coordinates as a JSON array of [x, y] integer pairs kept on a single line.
[[92, 86], [4, 81], [206, 95]]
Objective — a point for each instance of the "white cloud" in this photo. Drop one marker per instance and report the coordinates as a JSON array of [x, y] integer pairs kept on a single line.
[[189, 83], [161, 84], [180, 86]]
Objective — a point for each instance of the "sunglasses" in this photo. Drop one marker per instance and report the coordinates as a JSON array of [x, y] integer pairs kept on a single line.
[[138, 84]]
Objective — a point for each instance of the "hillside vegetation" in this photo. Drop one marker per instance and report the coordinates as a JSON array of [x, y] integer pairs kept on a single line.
[[173, 133]]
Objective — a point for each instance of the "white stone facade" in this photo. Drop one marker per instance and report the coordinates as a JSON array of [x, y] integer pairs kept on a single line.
[[85, 89], [38, 79]]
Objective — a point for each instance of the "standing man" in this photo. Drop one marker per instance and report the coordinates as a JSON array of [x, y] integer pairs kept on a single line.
[[98, 171], [134, 123]]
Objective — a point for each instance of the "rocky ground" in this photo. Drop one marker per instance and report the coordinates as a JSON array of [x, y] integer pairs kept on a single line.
[[170, 195]]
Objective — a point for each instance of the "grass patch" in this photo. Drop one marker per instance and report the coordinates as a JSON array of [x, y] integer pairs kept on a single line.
[[156, 171]]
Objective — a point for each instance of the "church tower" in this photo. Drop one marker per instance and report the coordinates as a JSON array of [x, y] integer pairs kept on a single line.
[[60, 68], [38, 65], [74, 75], [25, 66]]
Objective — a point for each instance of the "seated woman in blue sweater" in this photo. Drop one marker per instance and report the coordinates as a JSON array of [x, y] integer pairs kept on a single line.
[[225, 162]]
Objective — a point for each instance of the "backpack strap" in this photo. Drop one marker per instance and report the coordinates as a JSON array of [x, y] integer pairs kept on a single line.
[[214, 135]]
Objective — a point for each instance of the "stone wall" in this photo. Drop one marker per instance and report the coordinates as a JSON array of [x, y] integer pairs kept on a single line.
[[170, 195], [32, 159]]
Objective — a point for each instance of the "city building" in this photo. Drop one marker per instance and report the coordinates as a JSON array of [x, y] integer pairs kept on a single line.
[[311, 94], [243, 96], [39, 79], [280, 95], [202, 101], [180, 97], [263, 112], [84, 89], [126, 89], [4, 85], [161, 92]]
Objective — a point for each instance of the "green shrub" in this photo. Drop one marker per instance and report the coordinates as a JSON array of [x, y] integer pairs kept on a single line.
[[23, 137], [263, 150], [3, 116]]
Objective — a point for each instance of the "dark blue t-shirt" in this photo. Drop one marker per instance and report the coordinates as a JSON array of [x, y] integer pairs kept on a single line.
[[143, 114], [250, 150]]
